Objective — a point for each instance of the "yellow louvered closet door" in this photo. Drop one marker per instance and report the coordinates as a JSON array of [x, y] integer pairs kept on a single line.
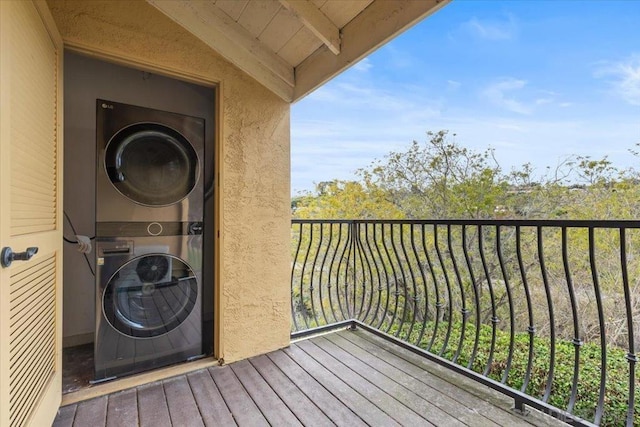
[[30, 213]]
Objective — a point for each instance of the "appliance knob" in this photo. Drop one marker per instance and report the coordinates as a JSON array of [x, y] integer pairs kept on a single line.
[[195, 228]]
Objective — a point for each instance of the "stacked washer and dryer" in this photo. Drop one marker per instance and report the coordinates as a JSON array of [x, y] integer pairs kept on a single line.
[[149, 222]]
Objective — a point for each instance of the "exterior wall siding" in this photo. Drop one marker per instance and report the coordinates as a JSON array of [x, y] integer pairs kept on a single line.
[[253, 163]]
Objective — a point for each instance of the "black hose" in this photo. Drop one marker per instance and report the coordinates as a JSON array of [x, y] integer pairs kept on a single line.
[[75, 242]]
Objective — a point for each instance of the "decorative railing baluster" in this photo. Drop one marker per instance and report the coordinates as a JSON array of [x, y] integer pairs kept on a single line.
[[394, 276], [476, 297], [304, 267], [343, 264], [447, 282], [331, 276], [327, 250], [603, 341], [367, 271], [544, 296], [462, 297], [386, 274], [436, 289], [399, 280], [577, 342], [505, 278], [552, 323], [413, 297], [631, 354], [294, 315], [494, 312], [531, 329]]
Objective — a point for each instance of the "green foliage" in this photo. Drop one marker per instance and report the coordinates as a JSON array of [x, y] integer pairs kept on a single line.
[[617, 387], [345, 200]]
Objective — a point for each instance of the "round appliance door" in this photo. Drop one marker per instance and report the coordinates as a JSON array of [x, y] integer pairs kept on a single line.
[[151, 164], [150, 296]]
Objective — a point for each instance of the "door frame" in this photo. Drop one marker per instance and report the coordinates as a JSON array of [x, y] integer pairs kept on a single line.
[[108, 55]]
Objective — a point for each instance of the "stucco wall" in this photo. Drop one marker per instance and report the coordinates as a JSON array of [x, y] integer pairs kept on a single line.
[[254, 164]]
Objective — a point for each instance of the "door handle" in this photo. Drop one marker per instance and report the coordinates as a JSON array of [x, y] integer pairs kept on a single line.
[[8, 256]]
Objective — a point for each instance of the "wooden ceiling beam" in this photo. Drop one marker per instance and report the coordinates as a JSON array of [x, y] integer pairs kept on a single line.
[[220, 32], [316, 21], [381, 21]]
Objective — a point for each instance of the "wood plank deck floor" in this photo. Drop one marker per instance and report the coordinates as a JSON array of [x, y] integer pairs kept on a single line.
[[346, 378]]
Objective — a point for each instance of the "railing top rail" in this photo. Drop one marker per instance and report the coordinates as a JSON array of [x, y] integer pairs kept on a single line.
[[322, 221], [491, 222]]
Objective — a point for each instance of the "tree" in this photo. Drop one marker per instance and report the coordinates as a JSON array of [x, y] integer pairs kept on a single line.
[[346, 200], [439, 179]]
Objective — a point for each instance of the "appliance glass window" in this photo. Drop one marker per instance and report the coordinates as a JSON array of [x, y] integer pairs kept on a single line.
[[150, 295], [151, 164]]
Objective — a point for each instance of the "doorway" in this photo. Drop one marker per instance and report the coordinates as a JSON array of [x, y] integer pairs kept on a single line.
[[87, 79]]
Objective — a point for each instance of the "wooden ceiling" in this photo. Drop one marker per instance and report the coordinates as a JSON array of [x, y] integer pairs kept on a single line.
[[294, 46]]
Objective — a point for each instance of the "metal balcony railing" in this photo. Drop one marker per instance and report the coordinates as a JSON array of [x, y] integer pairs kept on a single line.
[[546, 312]]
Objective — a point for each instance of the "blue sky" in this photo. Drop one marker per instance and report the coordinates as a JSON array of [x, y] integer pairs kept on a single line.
[[535, 80]]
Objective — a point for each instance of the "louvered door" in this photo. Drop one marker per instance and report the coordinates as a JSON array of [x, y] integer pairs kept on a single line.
[[30, 213]]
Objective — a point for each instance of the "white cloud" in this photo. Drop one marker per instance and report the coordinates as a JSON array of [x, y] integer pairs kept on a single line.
[[543, 101], [397, 58], [345, 126], [624, 78], [360, 94], [363, 65], [453, 84], [510, 126], [491, 30], [501, 94]]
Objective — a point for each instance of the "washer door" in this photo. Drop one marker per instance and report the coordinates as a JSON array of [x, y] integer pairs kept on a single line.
[[151, 164], [150, 296]]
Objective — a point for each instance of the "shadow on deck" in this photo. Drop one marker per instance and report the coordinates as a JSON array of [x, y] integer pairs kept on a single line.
[[348, 378]]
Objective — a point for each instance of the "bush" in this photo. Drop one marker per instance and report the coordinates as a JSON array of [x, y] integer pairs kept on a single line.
[[588, 389]]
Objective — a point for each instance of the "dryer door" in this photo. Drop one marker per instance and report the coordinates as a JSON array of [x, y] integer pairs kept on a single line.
[[151, 164], [150, 296]]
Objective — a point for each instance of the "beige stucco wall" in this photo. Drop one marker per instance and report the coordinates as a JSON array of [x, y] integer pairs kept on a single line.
[[254, 164]]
